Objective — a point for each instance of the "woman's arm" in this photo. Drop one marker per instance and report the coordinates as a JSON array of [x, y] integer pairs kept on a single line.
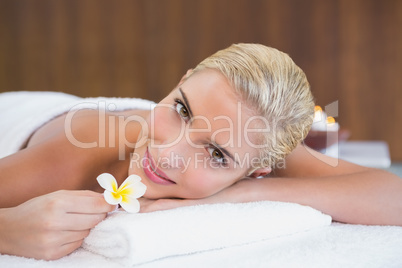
[[348, 192]]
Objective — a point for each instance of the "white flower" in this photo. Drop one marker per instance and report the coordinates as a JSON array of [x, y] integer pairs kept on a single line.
[[126, 195]]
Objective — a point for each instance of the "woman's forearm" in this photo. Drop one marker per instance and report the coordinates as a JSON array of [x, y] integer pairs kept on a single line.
[[369, 197], [372, 196], [4, 231]]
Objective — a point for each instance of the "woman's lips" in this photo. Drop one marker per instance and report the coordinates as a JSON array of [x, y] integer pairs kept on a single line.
[[152, 172]]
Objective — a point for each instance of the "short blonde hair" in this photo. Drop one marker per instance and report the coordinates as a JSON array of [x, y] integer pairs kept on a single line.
[[274, 87]]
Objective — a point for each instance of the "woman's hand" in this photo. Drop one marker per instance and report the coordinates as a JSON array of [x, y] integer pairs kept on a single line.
[[51, 226]]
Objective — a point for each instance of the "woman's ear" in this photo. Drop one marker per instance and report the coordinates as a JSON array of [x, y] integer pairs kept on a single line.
[[188, 73], [261, 172]]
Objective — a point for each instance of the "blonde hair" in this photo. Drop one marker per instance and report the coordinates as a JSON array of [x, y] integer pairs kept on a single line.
[[270, 82]]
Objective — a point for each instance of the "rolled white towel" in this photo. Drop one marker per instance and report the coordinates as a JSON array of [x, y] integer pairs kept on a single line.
[[131, 239]]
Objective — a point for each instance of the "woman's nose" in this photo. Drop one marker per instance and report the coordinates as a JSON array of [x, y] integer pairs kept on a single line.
[[175, 156], [166, 129], [168, 142]]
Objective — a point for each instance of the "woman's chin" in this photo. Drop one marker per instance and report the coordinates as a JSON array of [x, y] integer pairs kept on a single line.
[[152, 194], [149, 194]]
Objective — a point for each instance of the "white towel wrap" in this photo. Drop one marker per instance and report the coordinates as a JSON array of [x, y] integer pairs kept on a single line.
[[23, 112], [131, 239]]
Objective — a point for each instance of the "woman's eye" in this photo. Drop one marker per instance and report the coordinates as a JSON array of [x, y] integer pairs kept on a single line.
[[217, 155], [182, 110]]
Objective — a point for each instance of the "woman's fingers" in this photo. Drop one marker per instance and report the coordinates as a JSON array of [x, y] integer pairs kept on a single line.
[[61, 251], [81, 222], [76, 210], [70, 247], [70, 237], [85, 202], [64, 244], [89, 205], [52, 225]]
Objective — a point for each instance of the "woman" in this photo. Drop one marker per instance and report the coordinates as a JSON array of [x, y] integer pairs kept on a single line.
[[232, 119]]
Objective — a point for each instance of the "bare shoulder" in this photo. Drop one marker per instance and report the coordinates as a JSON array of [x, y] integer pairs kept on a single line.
[[53, 161], [306, 162], [91, 128], [85, 122], [69, 153]]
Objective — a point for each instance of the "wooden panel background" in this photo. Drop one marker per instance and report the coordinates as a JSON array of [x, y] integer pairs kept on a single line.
[[350, 49]]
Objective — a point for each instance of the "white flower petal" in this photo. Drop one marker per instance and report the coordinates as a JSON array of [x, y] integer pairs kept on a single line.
[[132, 179], [111, 199], [133, 186], [107, 182], [131, 205], [139, 190]]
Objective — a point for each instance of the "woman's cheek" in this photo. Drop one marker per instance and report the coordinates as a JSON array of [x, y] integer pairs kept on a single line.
[[203, 185]]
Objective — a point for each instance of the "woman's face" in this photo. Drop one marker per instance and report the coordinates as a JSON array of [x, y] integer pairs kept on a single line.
[[200, 140]]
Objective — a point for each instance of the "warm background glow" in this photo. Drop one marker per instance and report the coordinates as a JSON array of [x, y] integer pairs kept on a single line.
[[330, 120], [350, 50]]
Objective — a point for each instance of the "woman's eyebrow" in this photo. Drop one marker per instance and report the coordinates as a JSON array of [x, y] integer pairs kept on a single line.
[[186, 102]]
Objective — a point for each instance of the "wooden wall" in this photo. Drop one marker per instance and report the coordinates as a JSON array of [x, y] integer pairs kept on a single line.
[[351, 50]]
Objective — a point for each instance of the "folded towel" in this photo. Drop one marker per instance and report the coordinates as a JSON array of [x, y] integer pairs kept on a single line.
[[22, 113], [334, 246], [131, 239]]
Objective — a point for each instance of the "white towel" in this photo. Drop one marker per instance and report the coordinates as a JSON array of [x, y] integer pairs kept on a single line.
[[333, 246], [131, 239], [23, 112]]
